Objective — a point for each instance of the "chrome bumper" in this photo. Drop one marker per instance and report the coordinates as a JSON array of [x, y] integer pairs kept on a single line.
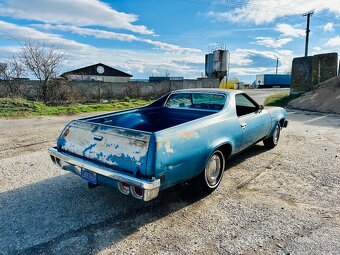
[[150, 188]]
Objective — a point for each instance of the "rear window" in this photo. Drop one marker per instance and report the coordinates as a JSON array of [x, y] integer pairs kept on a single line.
[[204, 101]]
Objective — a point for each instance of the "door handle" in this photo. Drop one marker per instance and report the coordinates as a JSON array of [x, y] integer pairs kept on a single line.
[[98, 138], [244, 125]]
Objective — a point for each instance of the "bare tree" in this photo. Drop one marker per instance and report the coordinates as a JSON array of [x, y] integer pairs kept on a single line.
[[11, 71], [43, 61]]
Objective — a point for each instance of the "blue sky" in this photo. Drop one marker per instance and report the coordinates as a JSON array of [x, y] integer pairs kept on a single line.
[[150, 37]]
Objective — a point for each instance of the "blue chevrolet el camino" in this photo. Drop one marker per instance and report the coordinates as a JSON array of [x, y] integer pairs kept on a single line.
[[183, 135]]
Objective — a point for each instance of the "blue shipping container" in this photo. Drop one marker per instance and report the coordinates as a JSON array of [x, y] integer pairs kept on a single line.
[[274, 80]]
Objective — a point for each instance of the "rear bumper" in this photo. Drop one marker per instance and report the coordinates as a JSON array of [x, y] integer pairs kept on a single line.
[[75, 164]]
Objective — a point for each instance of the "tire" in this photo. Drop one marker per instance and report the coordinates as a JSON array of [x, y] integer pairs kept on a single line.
[[272, 141], [212, 175]]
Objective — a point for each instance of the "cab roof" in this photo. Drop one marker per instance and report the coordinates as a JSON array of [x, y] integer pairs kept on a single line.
[[209, 90]]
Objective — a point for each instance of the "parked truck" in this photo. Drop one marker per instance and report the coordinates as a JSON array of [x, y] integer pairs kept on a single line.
[[183, 135], [272, 81]]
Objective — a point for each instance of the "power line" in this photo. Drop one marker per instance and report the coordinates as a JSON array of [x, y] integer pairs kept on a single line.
[[246, 5], [327, 20]]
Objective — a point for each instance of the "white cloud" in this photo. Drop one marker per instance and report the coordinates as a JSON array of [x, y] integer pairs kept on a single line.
[[286, 53], [334, 42], [78, 54], [142, 60], [290, 31], [266, 11], [14, 32], [103, 34], [271, 42], [241, 71], [264, 54], [98, 33], [247, 55], [75, 12], [329, 27]]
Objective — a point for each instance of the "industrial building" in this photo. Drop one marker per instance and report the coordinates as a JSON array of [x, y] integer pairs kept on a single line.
[[164, 78], [217, 64], [272, 81], [97, 72]]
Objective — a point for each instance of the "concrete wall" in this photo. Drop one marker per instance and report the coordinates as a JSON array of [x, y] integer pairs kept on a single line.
[[308, 72], [101, 78], [105, 90]]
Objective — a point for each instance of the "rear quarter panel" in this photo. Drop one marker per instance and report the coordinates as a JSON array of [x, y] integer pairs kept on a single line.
[[182, 152]]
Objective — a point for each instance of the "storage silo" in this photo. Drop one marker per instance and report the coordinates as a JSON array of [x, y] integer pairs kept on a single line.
[[216, 64]]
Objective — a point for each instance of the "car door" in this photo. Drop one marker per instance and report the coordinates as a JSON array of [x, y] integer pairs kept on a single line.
[[255, 123]]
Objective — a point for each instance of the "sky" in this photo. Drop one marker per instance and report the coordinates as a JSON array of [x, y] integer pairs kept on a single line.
[[152, 37]]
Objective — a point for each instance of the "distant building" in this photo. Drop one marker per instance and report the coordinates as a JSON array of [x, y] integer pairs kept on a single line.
[[217, 64], [272, 81], [97, 72], [164, 78]]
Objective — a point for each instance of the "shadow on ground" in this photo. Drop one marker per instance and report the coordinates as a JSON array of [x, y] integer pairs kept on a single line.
[[60, 215]]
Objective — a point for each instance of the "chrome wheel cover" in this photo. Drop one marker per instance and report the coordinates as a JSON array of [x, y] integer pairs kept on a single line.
[[276, 135], [213, 170]]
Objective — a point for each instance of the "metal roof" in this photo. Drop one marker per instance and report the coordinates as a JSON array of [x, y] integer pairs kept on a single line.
[[93, 70], [216, 90]]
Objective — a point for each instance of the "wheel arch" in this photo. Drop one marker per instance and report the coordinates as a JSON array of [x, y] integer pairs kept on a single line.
[[226, 149], [282, 121]]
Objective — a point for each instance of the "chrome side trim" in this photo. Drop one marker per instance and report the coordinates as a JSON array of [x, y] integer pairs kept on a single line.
[[146, 185]]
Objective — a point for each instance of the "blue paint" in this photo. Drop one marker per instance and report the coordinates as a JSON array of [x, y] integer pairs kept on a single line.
[[89, 148], [99, 155], [176, 142]]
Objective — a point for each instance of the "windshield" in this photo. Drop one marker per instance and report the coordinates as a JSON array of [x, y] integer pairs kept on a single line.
[[204, 101]]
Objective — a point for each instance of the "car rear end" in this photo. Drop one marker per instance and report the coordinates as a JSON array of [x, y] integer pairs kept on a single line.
[[106, 155]]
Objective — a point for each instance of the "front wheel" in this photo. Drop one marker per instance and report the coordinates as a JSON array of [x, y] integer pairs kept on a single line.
[[212, 175], [272, 141]]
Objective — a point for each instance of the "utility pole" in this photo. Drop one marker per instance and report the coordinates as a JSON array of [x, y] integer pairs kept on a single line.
[[277, 64], [307, 31]]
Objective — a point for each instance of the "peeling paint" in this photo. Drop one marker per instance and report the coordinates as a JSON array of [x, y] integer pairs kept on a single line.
[[170, 167], [188, 135], [168, 148], [116, 148]]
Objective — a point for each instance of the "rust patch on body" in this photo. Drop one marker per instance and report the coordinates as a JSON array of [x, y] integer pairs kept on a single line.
[[186, 135]]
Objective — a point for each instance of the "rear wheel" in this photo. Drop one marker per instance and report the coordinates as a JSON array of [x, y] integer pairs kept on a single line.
[[272, 141], [212, 175]]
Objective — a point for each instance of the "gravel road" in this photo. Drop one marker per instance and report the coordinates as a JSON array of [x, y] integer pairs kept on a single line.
[[279, 201]]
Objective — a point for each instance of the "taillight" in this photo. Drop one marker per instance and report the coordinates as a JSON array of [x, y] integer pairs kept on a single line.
[[137, 192], [124, 188], [65, 133]]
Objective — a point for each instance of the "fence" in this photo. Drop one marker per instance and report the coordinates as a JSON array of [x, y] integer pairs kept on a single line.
[[105, 90]]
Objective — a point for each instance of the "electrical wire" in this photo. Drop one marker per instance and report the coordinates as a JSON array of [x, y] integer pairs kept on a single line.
[[327, 20], [246, 5]]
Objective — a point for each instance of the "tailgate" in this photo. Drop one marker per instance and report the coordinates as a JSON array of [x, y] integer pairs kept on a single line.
[[121, 149]]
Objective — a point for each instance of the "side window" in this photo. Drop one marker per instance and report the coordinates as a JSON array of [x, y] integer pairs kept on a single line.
[[179, 101], [244, 105], [208, 101]]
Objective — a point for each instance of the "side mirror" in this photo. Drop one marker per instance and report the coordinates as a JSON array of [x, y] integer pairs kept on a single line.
[[261, 107]]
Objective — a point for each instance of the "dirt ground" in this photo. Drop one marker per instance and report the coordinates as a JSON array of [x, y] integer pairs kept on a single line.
[[279, 201], [326, 98]]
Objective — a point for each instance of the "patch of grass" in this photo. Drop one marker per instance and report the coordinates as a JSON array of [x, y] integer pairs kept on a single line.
[[19, 108], [279, 99]]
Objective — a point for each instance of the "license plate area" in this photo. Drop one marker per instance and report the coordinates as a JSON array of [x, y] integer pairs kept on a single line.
[[88, 176]]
